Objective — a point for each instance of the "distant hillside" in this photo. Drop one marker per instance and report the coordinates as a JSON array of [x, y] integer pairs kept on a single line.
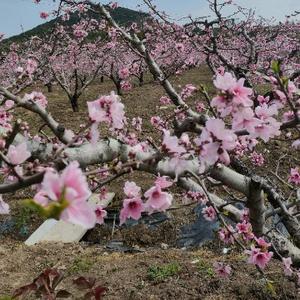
[[122, 15]]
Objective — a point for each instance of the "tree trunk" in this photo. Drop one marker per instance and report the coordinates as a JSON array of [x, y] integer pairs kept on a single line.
[[49, 86], [102, 79], [74, 103], [141, 79]]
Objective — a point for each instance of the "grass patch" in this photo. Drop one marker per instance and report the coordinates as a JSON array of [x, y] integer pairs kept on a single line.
[[204, 268], [80, 265], [160, 273]]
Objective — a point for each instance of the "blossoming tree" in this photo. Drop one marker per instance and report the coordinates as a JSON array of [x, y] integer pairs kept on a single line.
[[200, 150]]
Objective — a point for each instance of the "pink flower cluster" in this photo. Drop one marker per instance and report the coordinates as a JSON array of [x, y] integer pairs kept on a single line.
[[257, 159], [234, 96], [294, 176], [188, 91], [124, 73], [37, 98], [260, 255], [107, 109], [157, 200], [234, 100], [214, 143], [209, 213]]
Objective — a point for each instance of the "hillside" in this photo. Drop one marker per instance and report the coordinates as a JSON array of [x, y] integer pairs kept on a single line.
[[121, 14]]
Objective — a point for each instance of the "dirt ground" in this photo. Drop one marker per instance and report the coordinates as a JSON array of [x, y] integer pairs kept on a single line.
[[182, 274], [157, 270]]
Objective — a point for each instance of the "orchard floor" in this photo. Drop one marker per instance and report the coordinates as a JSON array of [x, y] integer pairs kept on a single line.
[[183, 274]]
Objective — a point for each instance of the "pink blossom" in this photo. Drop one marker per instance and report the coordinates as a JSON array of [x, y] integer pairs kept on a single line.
[[185, 140], [245, 229], [288, 116], [209, 213], [157, 200], [222, 270], [294, 176], [221, 70], [80, 33], [226, 235], [200, 107], [262, 99], [188, 91], [18, 154], [131, 190], [4, 207], [101, 214], [234, 96], [137, 123], [37, 98], [126, 86], [287, 263], [31, 66], [44, 15], [163, 182], [157, 122], [132, 208], [124, 73], [259, 258], [214, 142], [71, 190], [224, 82], [171, 145], [114, 5], [245, 215], [257, 159], [9, 104], [262, 243], [179, 47], [107, 109], [197, 197], [165, 100]]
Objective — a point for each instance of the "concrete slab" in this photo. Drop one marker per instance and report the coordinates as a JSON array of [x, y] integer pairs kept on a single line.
[[40, 232]]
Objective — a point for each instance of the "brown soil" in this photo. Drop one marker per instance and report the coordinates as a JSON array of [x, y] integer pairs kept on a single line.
[[128, 276]]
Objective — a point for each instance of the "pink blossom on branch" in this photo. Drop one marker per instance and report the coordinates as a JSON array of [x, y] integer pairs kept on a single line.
[[132, 208], [69, 191], [131, 190], [44, 15], [287, 263], [209, 213], [157, 200], [38, 98], [101, 214], [259, 257], [18, 154], [294, 176], [107, 109]]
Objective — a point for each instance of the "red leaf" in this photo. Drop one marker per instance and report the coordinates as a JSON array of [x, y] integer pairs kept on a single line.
[[99, 291], [24, 290]]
